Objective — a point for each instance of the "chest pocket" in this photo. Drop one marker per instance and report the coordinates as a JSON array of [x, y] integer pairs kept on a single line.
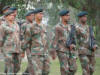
[[36, 33], [36, 37], [61, 35], [64, 33]]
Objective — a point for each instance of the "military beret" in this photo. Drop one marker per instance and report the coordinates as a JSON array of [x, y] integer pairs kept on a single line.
[[8, 12], [63, 12], [13, 8], [37, 10], [29, 13], [82, 13], [6, 7]]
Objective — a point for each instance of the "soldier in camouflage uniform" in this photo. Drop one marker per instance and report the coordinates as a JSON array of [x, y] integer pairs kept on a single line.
[[86, 56], [35, 41], [10, 43], [43, 52], [25, 28], [67, 57], [4, 10]]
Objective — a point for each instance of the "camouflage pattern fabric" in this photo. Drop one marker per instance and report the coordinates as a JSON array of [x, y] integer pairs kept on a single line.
[[36, 43], [86, 56], [67, 58], [10, 46]]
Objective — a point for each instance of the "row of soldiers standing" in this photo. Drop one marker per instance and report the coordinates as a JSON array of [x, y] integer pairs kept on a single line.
[[31, 37]]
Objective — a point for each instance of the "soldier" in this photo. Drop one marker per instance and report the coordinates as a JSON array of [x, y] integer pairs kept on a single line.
[[86, 56], [25, 28], [66, 56], [10, 43], [35, 41], [43, 53], [4, 10]]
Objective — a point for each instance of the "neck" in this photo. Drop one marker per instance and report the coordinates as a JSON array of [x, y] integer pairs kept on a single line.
[[38, 21]]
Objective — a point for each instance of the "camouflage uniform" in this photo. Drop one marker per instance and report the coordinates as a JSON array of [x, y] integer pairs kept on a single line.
[[25, 33], [0, 24], [66, 57], [35, 44], [2, 19], [86, 56], [10, 46]]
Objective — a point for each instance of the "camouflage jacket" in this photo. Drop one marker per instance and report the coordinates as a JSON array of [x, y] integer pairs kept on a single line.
[[35, 38], [1, 19], [60, 37], [25, 34], [83, 39], [10, 38]]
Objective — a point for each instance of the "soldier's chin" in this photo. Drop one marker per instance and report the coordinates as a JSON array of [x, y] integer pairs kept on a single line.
[[83, 22], [66, 21]]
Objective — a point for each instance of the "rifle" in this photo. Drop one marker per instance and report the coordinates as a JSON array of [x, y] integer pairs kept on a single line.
[[71, 38], [92, 40]]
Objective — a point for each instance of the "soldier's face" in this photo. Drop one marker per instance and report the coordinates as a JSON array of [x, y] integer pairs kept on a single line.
[[66, 17], [83, 18], [11, 17], [30, 17], [39, 15]]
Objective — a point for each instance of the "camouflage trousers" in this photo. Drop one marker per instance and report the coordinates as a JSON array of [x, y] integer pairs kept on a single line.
[[12, 63], [38, 65], [87, 63], [67, 63]]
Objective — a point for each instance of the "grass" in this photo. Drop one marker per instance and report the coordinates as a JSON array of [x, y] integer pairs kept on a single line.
[[55, 67]]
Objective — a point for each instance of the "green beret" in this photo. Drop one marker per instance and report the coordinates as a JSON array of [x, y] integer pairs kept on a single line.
[[63, 12], [13, 8], [6, 7], [29, 13], [38, 10], [82, 13], [8, 12]]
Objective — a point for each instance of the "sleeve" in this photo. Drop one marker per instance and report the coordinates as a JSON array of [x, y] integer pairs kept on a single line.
[[25, 41], [77, 30], [76, 37], [2, 39], [22, 38], [55, 39], [96, 45], [1, 36], [27, 37]]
